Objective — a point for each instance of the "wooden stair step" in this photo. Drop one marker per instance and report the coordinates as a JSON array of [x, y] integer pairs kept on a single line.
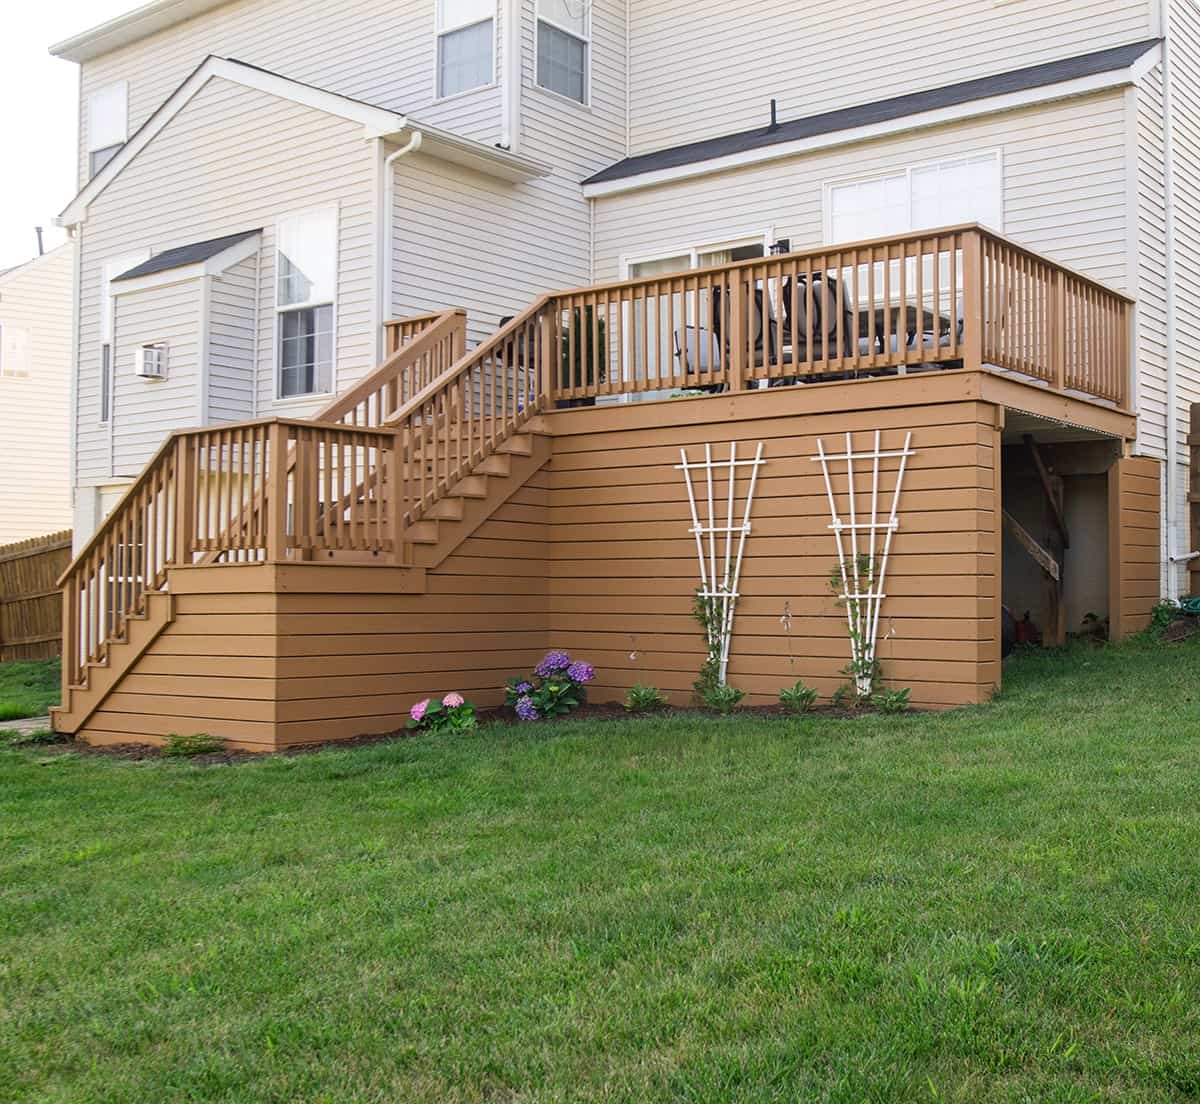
[[473, 486], [519, 444], [449, 508], [423, 532], [497, 464]]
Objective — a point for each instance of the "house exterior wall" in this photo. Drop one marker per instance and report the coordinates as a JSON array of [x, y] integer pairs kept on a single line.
[[233, 311], [35, 485], [169, 315], [227, 163], [707, 67]]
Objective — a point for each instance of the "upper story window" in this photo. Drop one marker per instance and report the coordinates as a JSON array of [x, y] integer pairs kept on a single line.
[[107, 124], [466, 33], [921, 197], [563, 35], [14, 352], [305, 284]]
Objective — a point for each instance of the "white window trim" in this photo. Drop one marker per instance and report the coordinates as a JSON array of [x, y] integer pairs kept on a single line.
[[276, 343], [27, 374], [161, 345], [827, 187], [692, 252], [587, 69], [439, 30]]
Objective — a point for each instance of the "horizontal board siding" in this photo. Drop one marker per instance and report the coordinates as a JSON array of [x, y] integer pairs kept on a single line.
[[230, 161], [380, 52], [142, 407], [232, 332], [707, 67], [1134, 503], [1064, 193], [464, 239], [623, 564], [35, 410]]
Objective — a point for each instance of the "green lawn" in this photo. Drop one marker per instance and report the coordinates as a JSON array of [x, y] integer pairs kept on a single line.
[[997, 904], [30, 688]]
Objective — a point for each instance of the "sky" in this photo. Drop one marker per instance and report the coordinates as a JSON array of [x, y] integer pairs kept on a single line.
[[38, 120]]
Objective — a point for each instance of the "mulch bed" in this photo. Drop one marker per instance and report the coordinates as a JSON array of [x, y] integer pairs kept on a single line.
[[601, 711]]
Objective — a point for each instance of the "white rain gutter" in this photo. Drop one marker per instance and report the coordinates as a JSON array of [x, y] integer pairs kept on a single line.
[[1172, 509], [389, 215]]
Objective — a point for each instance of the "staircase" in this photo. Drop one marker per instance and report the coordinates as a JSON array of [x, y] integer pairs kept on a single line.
[[405, 466]]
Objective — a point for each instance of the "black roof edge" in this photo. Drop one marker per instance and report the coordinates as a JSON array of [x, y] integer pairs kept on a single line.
[[912, 103], [181, 255]]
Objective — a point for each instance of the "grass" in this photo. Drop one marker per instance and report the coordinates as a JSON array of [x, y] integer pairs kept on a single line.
[[998, 904], [29, 688]]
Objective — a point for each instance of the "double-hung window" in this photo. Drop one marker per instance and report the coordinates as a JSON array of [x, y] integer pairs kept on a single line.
[[563, 36], [466, 33], [107, 124], [305, 280], [14, 351], [921, 197]]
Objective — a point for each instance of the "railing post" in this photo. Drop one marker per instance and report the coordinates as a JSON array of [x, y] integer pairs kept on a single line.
[[972, 299], [458, 335], [1058, 330], [739, 292], [277, 492], [185, 500], [1128, 357], [551, 355], [395, 498]]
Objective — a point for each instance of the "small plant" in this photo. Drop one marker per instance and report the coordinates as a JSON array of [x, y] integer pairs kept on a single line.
[[1161, 617], [798, 698], [723, 698], [891, 701], [851, 582], [707, 613], [556, 687], [179, 746], [452, 714], [644, 699]]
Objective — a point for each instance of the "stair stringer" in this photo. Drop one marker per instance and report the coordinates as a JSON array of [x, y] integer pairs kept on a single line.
[[475, 511], [141, 630]]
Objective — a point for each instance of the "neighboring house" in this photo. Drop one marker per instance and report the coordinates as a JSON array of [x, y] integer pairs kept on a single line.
[[35, 383], [264, 183]]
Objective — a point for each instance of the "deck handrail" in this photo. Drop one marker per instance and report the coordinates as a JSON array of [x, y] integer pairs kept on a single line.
[[260, 491]]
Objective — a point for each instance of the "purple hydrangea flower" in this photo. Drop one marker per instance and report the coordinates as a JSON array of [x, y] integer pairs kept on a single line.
[[581, 672], [526, 710], [553, 663], [418, 711], [452, 700], [523, 687]]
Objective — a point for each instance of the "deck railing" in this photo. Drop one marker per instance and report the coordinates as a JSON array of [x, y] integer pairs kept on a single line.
[[265, 491]]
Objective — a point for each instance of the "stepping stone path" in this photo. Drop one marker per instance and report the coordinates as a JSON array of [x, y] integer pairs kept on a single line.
[[26, 725]]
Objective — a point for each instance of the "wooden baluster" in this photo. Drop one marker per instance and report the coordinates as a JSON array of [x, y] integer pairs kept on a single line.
[[276, 492]]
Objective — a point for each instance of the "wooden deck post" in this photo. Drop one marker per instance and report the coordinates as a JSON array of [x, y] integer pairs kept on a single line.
[[185, 500], [551, 354], [973, 299], [1058, 329], [735, 370], [277, 492]]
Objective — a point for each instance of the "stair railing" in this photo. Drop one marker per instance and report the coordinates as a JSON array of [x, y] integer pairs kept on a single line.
[[274, 490]]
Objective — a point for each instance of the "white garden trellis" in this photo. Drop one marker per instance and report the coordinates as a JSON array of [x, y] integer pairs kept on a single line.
[[860, 559], [719, 587]]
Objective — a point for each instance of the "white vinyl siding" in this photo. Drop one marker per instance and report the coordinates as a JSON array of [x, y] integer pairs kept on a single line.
[[225, 164], [703, 68], [1064, 189], [35, 489], [232, 326], [380, 52], [169, 315]]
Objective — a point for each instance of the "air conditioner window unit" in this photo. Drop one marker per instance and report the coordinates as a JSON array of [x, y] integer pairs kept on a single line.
[[152, 361]]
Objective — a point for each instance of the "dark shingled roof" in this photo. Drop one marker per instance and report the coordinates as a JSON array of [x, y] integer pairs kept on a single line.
[[185, 255], [846, 118]]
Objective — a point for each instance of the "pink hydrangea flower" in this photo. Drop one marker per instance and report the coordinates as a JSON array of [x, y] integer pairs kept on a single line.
[[453, 699], [418, 711]]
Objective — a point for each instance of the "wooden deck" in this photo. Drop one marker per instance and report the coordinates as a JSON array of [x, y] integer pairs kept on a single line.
[[456, 513]]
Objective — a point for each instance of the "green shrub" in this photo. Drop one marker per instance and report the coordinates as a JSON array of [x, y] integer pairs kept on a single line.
[[644, 699], [1161, 616], [798, 698], [891, 701], [451, 713], [722, 697], [198, 743]]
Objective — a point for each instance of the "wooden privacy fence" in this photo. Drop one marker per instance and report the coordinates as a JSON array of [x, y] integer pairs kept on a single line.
[[30, 601]]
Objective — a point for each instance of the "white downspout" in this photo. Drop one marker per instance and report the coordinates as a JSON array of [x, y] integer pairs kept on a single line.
[[510, 79], [389, 215], [1171, 309]]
